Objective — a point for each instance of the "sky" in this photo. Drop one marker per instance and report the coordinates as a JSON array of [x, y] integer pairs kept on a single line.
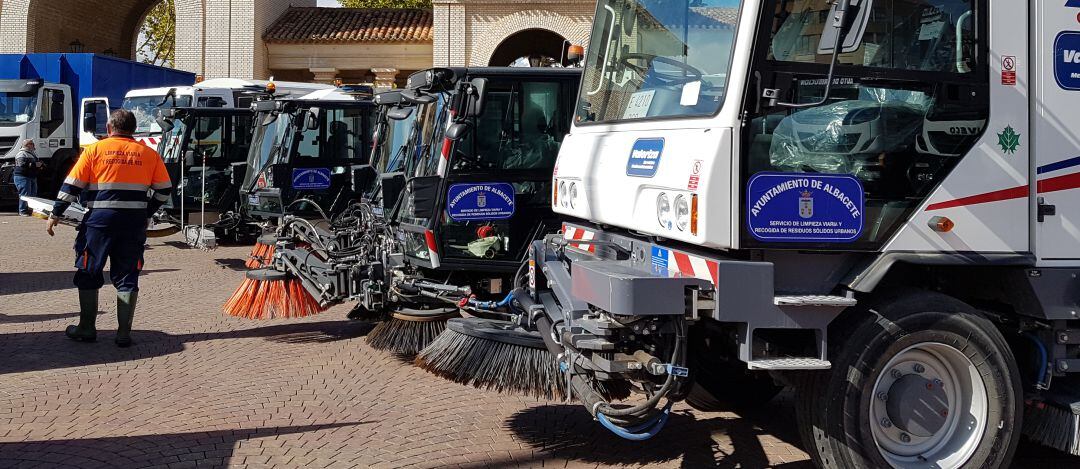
[[329, 3]]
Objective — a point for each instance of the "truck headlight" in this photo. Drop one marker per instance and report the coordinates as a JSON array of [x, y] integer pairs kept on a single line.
[[563, 193], [682, 212], [663, 210], [573, 195]]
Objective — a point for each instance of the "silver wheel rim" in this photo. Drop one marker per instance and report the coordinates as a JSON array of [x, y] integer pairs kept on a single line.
[[928, 408]]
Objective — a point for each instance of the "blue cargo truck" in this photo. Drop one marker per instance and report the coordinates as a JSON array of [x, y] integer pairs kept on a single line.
[[61, 102]]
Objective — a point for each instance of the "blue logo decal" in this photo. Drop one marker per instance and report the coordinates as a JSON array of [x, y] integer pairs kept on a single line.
[[1073, 3], [804, 208], [1067, 59], [311, 178], [645, 157], [484, 201], [659, 261]]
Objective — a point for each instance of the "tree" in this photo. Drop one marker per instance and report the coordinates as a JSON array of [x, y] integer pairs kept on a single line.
[[158, 35], [385, 3]]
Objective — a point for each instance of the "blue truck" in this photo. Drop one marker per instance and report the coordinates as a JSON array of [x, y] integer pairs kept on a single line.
[[61, 102]]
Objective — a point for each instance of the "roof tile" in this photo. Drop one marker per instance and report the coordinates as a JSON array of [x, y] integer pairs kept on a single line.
[[300, 25]]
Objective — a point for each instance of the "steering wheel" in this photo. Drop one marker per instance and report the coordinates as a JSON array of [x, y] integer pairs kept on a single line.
[[691, 74]]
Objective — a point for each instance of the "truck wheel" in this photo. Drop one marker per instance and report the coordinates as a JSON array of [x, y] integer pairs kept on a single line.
[[724, 385], [923, 381]]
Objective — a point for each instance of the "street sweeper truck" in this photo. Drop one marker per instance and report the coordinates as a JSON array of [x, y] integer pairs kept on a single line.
[[873, 201], [457, 222], [61, 102], [205, 150]]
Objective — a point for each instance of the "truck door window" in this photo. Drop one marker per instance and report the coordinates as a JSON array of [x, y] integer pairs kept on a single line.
[[52, 111], [904, 107], [521, 128], [657, 58], [340, 137]]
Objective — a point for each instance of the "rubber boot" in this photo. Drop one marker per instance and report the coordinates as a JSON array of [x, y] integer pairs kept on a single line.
[[125, 314], [88, 309]]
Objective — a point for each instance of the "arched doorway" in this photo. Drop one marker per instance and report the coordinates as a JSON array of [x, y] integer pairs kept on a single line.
[[100, 26], [539, 46]]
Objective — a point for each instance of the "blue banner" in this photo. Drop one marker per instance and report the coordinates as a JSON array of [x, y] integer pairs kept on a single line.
[[311, 178], [804, 208], [1067, 60], [645, 157], [482, 201]]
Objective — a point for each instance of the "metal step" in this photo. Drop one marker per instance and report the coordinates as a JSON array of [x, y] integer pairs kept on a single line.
[[814, 300], [794, 363]]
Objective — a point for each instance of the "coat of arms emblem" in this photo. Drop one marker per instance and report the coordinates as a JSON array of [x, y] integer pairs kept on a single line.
[[806, 204], [481, 200]]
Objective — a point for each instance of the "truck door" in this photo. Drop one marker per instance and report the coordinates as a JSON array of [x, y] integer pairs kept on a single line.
[[95, 114], [1056, 145], [53, 132]]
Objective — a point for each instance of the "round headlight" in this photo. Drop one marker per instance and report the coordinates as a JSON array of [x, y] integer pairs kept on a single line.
[[573, 195], [682, 212], [563, 193], [663, 210]]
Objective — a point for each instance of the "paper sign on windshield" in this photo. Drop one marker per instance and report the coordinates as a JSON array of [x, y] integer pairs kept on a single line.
[[311, 178]]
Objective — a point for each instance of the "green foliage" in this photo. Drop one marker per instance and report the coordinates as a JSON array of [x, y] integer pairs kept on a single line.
[[158, 35], [385, 3]]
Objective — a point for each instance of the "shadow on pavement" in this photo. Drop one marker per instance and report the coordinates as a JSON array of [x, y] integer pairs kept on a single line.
[[26, 318], [236, 265], [569, 432], [212, 448], [37, 351], [12, 283]]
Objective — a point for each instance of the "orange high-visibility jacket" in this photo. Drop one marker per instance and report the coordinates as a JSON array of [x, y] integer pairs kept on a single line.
[[116, 173]]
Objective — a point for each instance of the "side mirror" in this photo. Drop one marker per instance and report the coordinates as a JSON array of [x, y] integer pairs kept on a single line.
[[189, 158], [457, 131], [392, 186], [476, 96], [89, 122], [399, 113], [311, 119], [165, 124], [237, 173], [363, 177], [423, 192]]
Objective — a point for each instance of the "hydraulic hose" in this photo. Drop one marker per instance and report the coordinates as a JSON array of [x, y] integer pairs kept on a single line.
[[641, 432], [1043, 359]]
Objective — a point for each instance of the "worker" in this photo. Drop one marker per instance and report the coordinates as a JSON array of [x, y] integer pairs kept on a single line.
[[115, 175], [27, 167]]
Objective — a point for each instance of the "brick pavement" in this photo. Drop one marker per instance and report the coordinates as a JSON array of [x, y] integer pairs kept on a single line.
[[200, 389]]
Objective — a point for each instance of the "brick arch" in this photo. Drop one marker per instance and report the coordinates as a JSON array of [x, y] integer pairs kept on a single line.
[[51, 25], [566, 26]]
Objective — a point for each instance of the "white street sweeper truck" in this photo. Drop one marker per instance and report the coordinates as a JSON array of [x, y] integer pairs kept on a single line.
[[873, 201]]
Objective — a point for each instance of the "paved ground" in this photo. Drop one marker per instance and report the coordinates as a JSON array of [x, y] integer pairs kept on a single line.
[[203, 389]]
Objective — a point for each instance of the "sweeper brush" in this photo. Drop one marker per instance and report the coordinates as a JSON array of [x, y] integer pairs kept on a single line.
[[1055, 421], [498, 355], [262, 253], [407, 332], [269, 294]]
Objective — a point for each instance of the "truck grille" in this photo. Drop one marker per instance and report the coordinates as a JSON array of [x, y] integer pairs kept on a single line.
[[6, 143]]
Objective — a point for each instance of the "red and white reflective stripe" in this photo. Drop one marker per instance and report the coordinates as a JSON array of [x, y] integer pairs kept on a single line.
[[579, 234], [680, 264], [151, 142], [444, 162], [433, 249]]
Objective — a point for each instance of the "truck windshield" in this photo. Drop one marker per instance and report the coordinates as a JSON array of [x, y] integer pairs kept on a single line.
[[17, 108], [267, 144], [143, 108], [657, 58]]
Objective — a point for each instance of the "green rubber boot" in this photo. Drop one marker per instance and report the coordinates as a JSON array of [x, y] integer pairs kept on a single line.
[[88, 309], [125, 314]]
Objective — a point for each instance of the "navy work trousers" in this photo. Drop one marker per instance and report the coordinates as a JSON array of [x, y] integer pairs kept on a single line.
[[122, 247]]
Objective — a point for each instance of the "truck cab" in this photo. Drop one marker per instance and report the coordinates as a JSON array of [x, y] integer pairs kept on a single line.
[[305, 150]]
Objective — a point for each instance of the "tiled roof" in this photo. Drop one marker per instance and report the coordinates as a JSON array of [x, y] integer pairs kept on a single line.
[[350, 25]]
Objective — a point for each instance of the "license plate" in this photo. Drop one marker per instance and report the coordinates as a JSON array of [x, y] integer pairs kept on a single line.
[[253, 199]]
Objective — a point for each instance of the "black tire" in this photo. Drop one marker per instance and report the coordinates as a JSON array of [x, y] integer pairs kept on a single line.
[[722, 384], [834, 408]]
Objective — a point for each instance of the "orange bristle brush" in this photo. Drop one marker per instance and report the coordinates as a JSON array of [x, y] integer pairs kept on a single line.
[[262, 253], [269, 294]]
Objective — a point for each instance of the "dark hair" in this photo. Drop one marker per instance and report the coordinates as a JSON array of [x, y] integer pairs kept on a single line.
[[122, 122]]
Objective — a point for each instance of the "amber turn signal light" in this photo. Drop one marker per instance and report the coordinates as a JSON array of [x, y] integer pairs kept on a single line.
[[941, 224]]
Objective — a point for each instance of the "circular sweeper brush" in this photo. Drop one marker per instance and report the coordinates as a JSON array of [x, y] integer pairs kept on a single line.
[[408, 331], [500, 356]]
